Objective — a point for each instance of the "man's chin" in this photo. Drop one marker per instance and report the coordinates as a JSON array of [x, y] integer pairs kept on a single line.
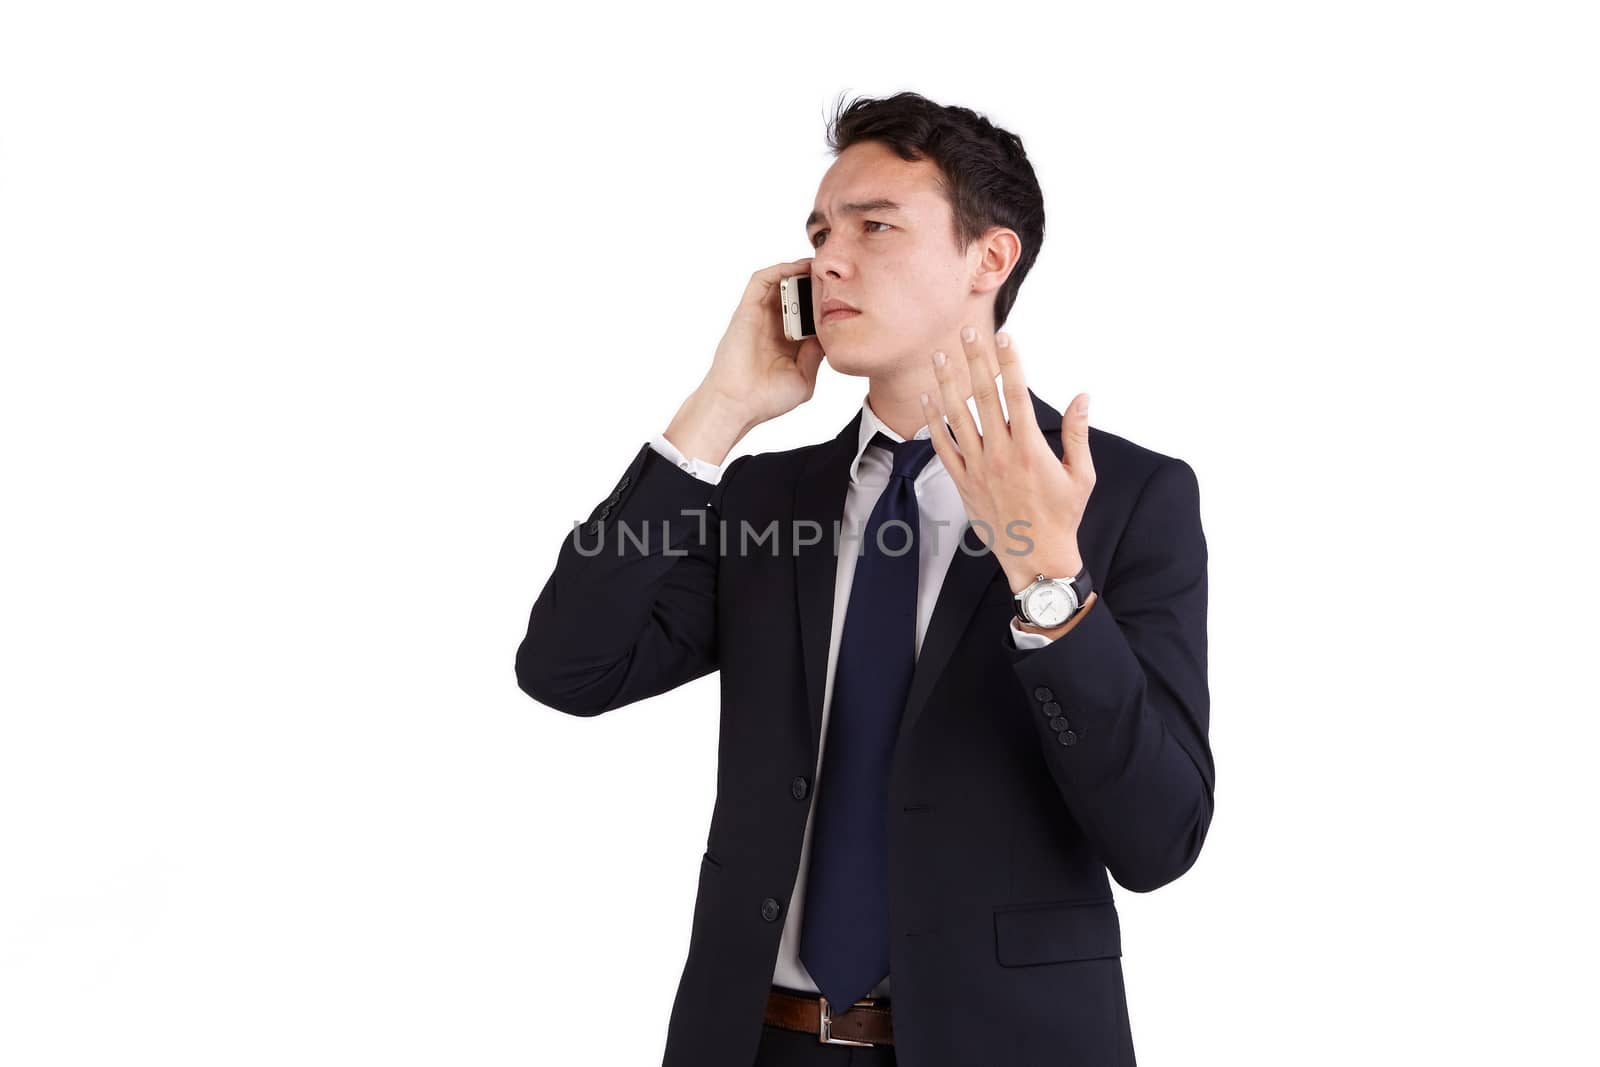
[[851, 359], [861, 361]]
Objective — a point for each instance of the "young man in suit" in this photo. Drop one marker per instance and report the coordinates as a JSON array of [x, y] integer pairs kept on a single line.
[[962, 661]]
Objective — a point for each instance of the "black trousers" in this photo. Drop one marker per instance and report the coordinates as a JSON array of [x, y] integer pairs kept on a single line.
[[791, 1048]]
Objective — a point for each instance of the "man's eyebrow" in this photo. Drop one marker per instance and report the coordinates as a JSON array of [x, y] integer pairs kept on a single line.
[[880, 204]]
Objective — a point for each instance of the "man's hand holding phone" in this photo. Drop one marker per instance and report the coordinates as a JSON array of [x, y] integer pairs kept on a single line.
[[756, 374]]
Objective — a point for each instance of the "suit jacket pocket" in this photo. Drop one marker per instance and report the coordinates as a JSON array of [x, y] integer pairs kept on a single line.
[[1052, 933]]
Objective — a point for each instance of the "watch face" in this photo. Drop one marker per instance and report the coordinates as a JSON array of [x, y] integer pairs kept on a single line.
[[1049, 605]]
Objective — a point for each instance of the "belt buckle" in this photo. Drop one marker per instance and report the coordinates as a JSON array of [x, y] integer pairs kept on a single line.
[[825, 1025]]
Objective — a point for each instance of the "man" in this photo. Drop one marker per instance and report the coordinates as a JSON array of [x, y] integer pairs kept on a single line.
[[920, 789]]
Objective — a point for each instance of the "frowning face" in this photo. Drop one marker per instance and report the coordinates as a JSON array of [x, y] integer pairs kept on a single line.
[[883, 241]]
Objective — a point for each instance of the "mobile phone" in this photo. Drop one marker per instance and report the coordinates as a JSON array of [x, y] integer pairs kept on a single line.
[[794, 293]]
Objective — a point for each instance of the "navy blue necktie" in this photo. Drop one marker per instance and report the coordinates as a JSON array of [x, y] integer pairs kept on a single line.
[[845, 942]]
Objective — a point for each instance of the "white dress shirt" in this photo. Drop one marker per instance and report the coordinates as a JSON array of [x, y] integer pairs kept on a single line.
[[938, 503]]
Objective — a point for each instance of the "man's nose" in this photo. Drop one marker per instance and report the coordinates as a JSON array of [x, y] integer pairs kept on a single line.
[[829, 262]]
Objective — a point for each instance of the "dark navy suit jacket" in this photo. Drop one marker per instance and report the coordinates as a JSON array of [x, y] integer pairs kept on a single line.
[[1005, 941]]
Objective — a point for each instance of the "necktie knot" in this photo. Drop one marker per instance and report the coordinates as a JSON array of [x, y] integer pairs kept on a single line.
[[909, 456]]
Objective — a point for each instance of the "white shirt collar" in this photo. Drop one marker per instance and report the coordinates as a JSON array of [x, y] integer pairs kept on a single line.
[[871, 426]]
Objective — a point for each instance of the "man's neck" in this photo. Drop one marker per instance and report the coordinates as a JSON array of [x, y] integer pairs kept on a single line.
[[898, 406]]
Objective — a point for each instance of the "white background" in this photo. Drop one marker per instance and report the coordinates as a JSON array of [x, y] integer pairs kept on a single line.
[[322, 322]]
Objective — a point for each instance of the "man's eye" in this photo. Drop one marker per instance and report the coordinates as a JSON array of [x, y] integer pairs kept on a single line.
[[816, 238]]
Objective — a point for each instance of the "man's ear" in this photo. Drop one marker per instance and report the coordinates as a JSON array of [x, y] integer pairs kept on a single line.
[[998, 250]]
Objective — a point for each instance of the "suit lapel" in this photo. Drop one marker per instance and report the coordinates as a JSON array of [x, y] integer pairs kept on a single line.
[[820, 497]]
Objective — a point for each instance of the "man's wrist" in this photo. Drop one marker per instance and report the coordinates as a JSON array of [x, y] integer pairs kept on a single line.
[[1054, 632], [707, 427], [1020, 577]]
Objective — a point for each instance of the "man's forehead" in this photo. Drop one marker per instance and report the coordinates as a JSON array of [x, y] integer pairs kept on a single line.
[[907, 192]]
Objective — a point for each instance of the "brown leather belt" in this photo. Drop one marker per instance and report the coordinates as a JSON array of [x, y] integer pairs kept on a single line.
[[867, 1022]]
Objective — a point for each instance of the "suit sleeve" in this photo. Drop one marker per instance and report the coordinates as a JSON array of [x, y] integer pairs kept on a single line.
[[630, 609], [1133, 764]]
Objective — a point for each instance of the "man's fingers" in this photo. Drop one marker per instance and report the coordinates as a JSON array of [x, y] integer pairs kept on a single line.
[[1019, 404], [981, 370], [762, 281], [944, 446], [953, 401]]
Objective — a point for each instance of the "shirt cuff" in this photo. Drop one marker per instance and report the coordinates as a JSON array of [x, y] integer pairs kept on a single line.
[[706, 472], [1027, 638]]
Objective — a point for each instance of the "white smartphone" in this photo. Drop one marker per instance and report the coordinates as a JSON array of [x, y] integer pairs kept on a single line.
[[794, 293]]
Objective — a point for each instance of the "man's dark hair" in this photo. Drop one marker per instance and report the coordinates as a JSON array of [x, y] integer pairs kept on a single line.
[[983, 170]]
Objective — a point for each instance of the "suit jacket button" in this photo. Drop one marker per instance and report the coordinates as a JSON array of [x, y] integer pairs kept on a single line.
[[770, 909], [798, 787], [1067, 737], [1052, 708], [1042, 693], [1058, 723]]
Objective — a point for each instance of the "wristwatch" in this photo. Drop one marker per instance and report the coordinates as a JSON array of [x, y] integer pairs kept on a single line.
[[1049, 602]]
